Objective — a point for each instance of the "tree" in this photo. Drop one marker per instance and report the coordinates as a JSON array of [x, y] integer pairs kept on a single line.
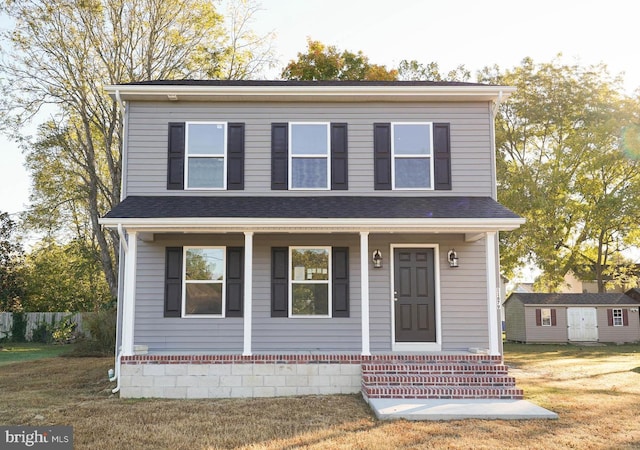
[[415, 71], [63, 52], [561, 165], [64, 278], [322, 62], [11, 287]]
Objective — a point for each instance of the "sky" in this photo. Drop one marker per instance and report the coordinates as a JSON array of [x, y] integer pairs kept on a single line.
[[470, 32]]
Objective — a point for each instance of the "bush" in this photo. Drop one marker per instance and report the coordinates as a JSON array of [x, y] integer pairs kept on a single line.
[[42, 333], [19, 327], [101, 339]]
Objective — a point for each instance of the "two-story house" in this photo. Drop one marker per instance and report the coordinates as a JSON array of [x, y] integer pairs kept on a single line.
[[288, 238]]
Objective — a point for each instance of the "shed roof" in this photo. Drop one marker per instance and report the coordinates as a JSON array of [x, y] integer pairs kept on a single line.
[[574, 299]]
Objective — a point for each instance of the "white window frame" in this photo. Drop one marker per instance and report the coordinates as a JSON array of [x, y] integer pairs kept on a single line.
[[618, 319], [403, 156], [222, 282], [203, 155], [327, 156], [327, 282], [545, 315]]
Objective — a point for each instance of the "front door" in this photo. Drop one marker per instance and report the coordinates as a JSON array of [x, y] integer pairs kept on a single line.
[[414, 295]]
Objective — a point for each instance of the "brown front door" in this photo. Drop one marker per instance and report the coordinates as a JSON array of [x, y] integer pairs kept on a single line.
[[414, 295]]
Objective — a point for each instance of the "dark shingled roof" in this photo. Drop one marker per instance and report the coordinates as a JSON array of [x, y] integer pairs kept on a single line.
[[574, 299], [335, 207], [298, 83]]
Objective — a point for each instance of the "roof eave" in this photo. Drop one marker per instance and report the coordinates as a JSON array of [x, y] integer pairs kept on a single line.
[[397, 93], [312, 225]]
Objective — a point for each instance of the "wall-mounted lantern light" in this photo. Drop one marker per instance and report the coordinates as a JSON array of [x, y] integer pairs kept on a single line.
[[452, 257], [377, 259]]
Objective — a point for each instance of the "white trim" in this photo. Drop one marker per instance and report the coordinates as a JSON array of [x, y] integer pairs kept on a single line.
[[613, 317], [492, 294], [286, 93], [224, 157], [305, 225], [327, 282], [248, 292], [416, 346], [326, 156], [129, 295], [542, 324], [223, 283], [364, 291], [410, 156]]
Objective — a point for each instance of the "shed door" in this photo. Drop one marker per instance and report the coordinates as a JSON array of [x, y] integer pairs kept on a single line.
[[583, 324], [414, 296]]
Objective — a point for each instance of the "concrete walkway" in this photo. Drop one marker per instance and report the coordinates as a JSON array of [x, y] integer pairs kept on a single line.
[[418, 409]]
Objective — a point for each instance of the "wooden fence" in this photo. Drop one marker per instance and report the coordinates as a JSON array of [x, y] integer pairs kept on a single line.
[[35, 319]]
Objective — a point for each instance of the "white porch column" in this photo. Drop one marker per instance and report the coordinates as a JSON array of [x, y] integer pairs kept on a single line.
[[248, 291], [492, 294], [364, 290], [129, 293]]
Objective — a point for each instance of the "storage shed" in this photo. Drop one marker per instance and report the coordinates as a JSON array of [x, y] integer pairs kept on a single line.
[[562, 318]]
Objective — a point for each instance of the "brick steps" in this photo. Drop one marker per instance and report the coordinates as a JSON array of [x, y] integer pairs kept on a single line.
[[452, 377]]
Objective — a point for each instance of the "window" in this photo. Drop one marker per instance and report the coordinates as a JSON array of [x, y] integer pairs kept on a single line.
[[411, 147], [309, 277], [546, 317], [617, 318], [204, 275], [205, 147], [309, 156]]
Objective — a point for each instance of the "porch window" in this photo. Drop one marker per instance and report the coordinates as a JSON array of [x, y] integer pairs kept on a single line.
[[412, 150], [204, 275], [205, 147], [309, 159], [617, 318], [310, 275], [546, 317]]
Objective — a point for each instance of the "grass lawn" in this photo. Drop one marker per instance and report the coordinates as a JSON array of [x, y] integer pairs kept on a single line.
[[596, 391], [11, 352]]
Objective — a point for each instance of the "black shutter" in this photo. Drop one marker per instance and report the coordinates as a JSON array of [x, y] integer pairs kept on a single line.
[[340, 281], [339, 158], [610, 317], [538, 317], [382, 156], [235, 281], [173, 282], [625, 317], [279, 282], [235, 155], [554, 321], [279, 156], [175, 160], [442, 157]]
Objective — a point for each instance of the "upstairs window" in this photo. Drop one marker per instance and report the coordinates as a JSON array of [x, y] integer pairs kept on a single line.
[[205, 148], [412, 150], [309, 156]]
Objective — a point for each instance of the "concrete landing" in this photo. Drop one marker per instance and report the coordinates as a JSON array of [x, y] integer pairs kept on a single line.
[[448, 409]]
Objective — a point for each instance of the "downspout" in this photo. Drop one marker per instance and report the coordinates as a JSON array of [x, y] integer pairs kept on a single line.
[[498, 299], [113, 376], [124, 247]]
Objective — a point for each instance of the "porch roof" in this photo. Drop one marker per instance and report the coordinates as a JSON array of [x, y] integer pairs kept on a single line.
[[460, 214]]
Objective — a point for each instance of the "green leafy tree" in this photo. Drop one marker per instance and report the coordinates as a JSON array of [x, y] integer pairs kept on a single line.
[[63, 52], [321, 62], [416, 71], [561, 165], [64, 278], [11, 286]]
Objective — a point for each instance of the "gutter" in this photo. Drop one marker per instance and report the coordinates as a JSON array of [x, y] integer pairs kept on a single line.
[[116, 376]]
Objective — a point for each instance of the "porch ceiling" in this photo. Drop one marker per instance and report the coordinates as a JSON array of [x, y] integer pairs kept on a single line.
[[312, 214]]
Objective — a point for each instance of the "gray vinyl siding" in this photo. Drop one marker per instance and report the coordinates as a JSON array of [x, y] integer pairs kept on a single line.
[[516, 329], [471, 163], [542, 334], [463, 299]]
